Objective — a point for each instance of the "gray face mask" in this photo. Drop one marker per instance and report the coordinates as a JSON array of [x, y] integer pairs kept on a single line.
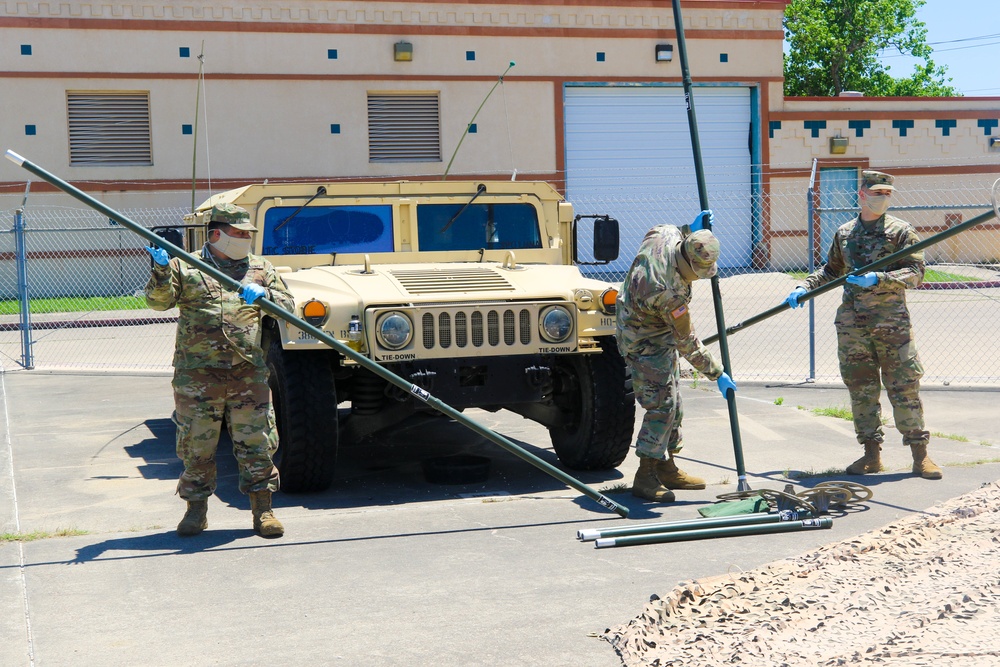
[[232, 247], [877, 204]]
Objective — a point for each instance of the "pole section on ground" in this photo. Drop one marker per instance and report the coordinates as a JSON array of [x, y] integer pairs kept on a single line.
[[273, 309], [709, 533], [757, 518]]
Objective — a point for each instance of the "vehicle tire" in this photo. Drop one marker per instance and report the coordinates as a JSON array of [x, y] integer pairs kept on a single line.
[[594, 393], [305, 406]]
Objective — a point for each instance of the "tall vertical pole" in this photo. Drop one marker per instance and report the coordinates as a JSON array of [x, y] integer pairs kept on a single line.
[[720, 320], [811, 264], [27, 358]]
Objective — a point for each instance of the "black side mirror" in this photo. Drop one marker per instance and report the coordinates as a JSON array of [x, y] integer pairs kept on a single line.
[[606, 240]]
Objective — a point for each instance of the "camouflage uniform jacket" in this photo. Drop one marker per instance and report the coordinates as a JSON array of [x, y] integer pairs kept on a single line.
[[215, 329], [855, 246], [652, 308]]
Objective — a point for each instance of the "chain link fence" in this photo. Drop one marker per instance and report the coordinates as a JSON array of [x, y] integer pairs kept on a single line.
[[85, 274]]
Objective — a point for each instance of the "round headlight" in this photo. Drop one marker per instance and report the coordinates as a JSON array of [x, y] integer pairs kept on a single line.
[[556, 324], [394, 330]]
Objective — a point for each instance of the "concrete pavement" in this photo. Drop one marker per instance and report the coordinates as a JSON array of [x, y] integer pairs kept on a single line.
[[386, 568]]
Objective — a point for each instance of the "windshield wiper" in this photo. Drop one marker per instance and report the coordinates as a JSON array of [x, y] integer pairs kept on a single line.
[[480, 190], [319, 191]]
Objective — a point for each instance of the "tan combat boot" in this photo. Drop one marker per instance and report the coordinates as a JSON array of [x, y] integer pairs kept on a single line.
[[264, 523], [922, 464], [195, 519], [647, 486], [870, 462], [672, 477]]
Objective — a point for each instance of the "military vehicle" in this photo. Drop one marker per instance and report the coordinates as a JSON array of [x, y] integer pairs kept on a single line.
[[470, 290]]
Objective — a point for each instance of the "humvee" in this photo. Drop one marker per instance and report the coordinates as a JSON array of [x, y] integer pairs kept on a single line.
[[469, 289]]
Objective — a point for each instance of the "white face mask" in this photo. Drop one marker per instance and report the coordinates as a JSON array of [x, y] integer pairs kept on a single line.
[[877, 204], [231, 246]]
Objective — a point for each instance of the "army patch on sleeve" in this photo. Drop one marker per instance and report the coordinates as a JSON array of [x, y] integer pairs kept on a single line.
[[679, 312]]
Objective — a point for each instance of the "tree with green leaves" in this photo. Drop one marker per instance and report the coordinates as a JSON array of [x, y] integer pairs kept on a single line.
[[835, 46]]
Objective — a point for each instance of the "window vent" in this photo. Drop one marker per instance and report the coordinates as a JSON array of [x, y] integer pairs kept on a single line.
[[404, 128], [109, 129]]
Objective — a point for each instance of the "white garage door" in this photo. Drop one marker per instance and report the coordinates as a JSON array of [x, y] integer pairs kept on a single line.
[[628, 154]]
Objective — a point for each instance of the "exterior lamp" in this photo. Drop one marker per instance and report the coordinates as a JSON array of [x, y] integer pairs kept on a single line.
[[838, 145], [664, 53], [402, 51]]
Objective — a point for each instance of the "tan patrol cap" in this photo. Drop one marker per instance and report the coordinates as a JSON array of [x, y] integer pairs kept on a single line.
[[232, 215], [702, 250], [876, 180]]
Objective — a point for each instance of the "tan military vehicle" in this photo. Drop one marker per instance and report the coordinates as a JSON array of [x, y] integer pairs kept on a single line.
[[470, 290]]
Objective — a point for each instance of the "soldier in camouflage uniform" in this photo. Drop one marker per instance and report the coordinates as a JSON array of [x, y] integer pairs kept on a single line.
[[654, 325], [219, 370], [874, 335]]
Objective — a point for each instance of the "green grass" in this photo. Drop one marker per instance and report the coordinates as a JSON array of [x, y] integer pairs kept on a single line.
[[617, 488], [840, 411], [40, 535], [75, 304], [949, 436], [806, 474], [779, 400]]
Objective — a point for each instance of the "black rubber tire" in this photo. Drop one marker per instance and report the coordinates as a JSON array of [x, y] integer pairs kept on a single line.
[[594, 392], [305, 405]]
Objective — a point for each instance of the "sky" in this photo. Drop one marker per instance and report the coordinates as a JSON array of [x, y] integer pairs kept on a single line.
[[973, 64]]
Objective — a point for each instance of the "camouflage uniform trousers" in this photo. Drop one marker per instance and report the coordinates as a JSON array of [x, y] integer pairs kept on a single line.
[[656, 382], [203, 397], [867, 347]]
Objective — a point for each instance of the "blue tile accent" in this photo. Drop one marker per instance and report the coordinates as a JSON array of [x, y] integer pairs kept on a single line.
[[723, 57], [473, 128], [26, 49], [600, 56], [30, 130], [946, 126], [902, 126], [187, 129], [814, 126], [771, 127], [859, 126], [470, 55], [988, 124], [331, 54], [185, 51], [334, 128]]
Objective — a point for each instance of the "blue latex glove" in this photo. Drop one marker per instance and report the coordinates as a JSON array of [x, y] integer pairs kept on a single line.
[[793, 298], [725, 384], [869, 279], [699, 221], [159, 255], [251, 292]]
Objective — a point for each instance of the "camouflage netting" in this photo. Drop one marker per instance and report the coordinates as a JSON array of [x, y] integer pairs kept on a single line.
[[924, 590]]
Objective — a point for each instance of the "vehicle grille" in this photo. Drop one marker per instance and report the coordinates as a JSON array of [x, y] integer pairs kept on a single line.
[[508, 328]]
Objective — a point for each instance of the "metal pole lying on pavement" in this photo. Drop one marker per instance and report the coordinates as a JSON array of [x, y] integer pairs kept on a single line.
[[691, 524], [707, 533], [874, 266], [273, 309], [720, 320]]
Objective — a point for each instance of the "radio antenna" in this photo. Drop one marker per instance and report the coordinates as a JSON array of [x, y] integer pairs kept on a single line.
[[469, 124]]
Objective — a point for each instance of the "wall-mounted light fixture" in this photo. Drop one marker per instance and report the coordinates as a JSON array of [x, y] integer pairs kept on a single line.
[[402, 51], [664, 53], [995, 144], [838, 145]]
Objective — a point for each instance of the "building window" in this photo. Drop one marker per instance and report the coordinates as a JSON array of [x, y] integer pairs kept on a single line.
[[404, 127], [109, 129]]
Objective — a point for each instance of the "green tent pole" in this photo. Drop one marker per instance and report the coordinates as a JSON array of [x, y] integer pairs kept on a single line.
[[720, 320], [708, 533], [690, 524], [874, 266], [276, 311]]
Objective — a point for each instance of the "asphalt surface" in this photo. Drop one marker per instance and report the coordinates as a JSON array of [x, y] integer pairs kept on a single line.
[[387, 568]]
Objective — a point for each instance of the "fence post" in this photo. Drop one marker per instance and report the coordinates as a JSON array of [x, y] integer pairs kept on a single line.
[[27, 358], [811, 266]]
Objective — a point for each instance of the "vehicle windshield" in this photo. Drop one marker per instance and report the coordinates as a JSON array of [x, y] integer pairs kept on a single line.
[[323, 230], [489, 226]]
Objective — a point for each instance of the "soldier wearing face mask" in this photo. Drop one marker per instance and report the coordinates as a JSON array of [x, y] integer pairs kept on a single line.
[[874, 337], [219, 369]]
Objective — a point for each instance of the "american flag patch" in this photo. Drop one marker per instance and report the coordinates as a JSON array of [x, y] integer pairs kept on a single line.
[[679, 312]]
